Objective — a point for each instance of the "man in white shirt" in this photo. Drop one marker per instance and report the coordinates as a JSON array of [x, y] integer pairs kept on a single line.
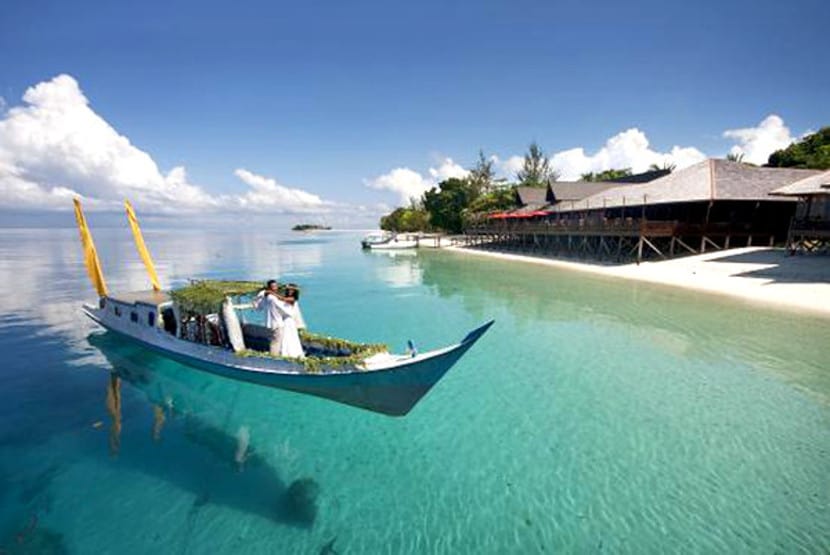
[[268, 301], [279, 317]]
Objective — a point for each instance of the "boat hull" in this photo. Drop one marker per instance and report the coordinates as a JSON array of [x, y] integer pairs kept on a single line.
[[393, 390], [393, 242], [388, 246]]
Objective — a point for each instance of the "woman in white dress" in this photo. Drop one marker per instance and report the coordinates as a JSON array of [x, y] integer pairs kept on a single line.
[[280, 317], [291, 346]]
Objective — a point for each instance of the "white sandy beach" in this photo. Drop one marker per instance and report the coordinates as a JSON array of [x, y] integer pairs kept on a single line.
[[757, 274]]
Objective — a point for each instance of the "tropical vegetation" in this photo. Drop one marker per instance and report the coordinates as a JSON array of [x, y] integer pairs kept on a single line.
[[310, 227], [811, 152], [607, 175], [455, 202]]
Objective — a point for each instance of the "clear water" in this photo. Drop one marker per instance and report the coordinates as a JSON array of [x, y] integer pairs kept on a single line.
[[595, 416]]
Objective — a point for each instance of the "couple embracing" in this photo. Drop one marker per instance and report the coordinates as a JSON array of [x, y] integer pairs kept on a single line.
[[283, 316]]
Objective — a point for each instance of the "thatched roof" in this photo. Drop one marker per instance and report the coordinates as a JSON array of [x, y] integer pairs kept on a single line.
[[818, 184], [566, 191], [643, 177], [704, 181], [532, 197], [572, 191]]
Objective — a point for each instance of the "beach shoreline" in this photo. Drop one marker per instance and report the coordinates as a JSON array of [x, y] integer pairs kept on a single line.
[[760, 275]]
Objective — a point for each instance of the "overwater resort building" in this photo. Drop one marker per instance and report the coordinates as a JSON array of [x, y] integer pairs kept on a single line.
[[810, 229], [715, 204]]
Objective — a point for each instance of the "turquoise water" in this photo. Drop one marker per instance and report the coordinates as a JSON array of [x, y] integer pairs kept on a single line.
[[595, 416]]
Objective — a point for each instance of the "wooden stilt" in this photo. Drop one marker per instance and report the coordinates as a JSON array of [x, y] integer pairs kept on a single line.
[[685, 246], [655, 249]]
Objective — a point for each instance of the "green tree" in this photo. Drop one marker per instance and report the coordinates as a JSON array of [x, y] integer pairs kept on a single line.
[[607, 175], [812, 152], [446, 203], [405, 220], [482, 176], [536, 170], [497, 200]]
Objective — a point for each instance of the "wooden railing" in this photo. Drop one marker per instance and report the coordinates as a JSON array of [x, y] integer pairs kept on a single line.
[[815, 228], [619, 226], [615, 226]]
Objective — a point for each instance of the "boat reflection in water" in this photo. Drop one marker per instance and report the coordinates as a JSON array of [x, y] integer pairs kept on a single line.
[[114, 410], [214, 461]]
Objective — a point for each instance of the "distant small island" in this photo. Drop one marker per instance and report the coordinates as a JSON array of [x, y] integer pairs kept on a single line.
[[310, 227]]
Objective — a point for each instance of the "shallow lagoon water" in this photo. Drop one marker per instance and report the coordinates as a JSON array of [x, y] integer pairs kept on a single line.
[[596, 415]]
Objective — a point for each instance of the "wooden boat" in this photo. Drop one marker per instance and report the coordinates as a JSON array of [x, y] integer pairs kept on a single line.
[[389, 241], [207, 335]]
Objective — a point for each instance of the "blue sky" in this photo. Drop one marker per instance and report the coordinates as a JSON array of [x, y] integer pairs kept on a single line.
[[329, 98]]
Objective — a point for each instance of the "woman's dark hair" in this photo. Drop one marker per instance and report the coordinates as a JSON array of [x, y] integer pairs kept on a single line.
[[269, 283]]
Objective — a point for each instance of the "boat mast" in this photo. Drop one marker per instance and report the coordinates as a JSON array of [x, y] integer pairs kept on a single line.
[[142, 248], [93, 265]]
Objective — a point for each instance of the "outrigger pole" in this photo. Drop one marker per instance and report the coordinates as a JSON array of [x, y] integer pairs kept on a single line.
[[142, 248], [93, 265]]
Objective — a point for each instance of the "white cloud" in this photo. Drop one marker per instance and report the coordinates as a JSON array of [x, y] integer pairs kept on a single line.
[[509, 167], [409, 184], [628, 149], [266, 194], [54, 147], [757, 143], [447, 170]]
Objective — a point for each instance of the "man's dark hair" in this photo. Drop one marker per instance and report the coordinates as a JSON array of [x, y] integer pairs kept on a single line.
[[270, 283]]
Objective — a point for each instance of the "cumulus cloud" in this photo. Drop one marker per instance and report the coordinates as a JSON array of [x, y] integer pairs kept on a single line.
[[266, 194], [628, 149], [447, 170], [410, 184], [510, 166], [757, 143], [55, 146]]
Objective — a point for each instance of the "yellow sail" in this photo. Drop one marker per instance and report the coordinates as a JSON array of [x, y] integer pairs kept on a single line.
[[142, 248], [93, 265]]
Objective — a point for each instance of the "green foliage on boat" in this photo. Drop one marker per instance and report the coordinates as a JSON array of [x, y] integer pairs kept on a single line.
[[335, 344], [206, 296], [351, 352], [314, 365]]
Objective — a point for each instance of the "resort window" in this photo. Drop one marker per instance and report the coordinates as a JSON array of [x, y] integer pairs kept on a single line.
[[134, 317], [151, 319], [117, 311]]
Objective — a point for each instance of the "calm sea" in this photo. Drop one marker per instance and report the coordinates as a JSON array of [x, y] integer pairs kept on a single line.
[[595, 416]]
